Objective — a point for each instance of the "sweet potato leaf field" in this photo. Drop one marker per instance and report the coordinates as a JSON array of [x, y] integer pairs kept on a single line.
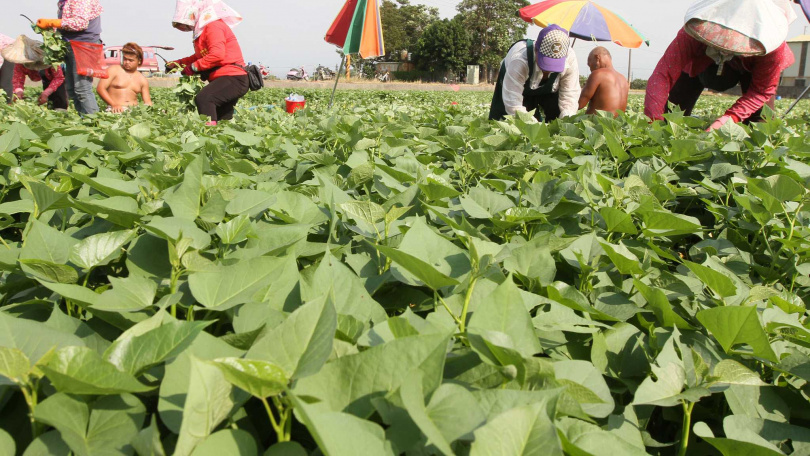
[[400, 275]]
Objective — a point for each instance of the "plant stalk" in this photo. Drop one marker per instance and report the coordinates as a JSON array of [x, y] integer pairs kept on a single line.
[[687, 426], [462, 325], [273, 422]]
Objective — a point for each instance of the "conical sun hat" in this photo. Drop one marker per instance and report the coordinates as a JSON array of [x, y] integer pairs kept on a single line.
[[25, 51], [740, 27]]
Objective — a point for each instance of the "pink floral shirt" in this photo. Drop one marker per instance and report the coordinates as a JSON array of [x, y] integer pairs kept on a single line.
[[688, 55], [77, 14]]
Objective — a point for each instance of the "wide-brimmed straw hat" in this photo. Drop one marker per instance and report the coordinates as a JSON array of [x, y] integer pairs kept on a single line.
[[27, 52]]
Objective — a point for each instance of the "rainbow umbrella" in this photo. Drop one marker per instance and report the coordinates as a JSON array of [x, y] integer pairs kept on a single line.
[[358, 29], [585, 20]]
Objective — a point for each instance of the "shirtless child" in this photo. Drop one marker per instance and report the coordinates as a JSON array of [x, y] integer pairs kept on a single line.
[[125, 83], [606, 89]]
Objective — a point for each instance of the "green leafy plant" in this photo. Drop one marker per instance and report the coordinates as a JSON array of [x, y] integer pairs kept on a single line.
[[54, 47], [400, 275]]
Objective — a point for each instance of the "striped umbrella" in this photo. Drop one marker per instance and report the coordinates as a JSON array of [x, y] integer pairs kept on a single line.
[[358, 29], [585, 20]]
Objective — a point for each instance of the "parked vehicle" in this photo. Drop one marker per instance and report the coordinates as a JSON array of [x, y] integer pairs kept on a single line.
[[323, 73], [297, 74], [112, 56]]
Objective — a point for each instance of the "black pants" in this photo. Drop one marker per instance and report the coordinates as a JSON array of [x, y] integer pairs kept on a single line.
[[548, 104], [218, 99], [6, 74], [58, 99], [687, 89]]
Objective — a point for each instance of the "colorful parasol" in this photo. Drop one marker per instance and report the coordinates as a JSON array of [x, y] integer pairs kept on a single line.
[[585, 20], [358, 29]]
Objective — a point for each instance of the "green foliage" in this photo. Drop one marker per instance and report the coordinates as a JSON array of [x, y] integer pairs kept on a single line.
[[638, 84], [402, 276], [187, 91], [54, 47], [444, 46], [403, 23], [494, 26]]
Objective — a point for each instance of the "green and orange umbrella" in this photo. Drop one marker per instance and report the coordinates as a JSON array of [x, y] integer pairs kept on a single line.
[[585, 20], [358, 29]]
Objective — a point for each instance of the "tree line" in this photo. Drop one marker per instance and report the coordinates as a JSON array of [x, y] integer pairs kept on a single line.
[[480, 33]]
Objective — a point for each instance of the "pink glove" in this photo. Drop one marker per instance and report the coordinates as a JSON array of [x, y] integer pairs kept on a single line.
[[720, 122]]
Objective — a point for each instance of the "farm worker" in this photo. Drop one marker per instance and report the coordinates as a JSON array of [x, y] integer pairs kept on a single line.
[[217, 56], [27, 57], [121, 89], [79, 20], [6, 69], [538, 74], [724, 43], [606, 89]]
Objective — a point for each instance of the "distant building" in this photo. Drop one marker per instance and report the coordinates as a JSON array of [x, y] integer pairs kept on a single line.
[[797, 75]]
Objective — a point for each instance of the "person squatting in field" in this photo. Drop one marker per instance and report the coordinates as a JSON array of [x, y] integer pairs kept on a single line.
[[29, 64], [724, 43], [538, 74], [121, 89], [79, 20], [217, 56], [606, 89]]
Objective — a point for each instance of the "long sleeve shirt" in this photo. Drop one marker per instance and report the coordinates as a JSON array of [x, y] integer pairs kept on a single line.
[[5, 41], [517, 73], [77, 14], [688, 55], [56, 77], [216, 47]]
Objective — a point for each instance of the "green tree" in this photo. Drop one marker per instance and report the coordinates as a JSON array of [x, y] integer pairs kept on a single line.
[[403, 24], [494, 25], [444, 46]]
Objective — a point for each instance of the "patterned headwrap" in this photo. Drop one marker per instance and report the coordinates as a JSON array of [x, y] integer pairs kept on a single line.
[[199, 13], [740, 27]]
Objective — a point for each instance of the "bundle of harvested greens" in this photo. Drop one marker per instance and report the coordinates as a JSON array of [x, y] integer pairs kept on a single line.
[[54, 47]]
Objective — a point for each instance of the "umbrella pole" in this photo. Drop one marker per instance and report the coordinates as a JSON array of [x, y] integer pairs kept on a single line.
[[337, 78], [630, 66], [796, 102]]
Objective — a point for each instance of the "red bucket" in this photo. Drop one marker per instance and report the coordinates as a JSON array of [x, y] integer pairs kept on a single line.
[[293, 106]]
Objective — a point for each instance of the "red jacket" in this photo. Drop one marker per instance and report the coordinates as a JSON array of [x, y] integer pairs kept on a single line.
[[217, 47], [688, 55], [55, 75]]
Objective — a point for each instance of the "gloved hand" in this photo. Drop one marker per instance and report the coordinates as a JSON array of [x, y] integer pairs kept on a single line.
[[18, 95], [188, 70], [43, 99], [720, 122], [49, 23], [171, 66]]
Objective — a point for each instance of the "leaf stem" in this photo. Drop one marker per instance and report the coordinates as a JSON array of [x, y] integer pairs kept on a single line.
[[30, 394], [273, 422], [687, 426], [462, 325], [438, 297]]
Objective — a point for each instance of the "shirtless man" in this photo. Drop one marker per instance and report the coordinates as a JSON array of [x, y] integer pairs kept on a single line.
[[606, 89], [125, 83]]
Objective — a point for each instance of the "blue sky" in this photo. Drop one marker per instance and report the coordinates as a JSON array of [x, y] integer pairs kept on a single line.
[[284, 34]]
